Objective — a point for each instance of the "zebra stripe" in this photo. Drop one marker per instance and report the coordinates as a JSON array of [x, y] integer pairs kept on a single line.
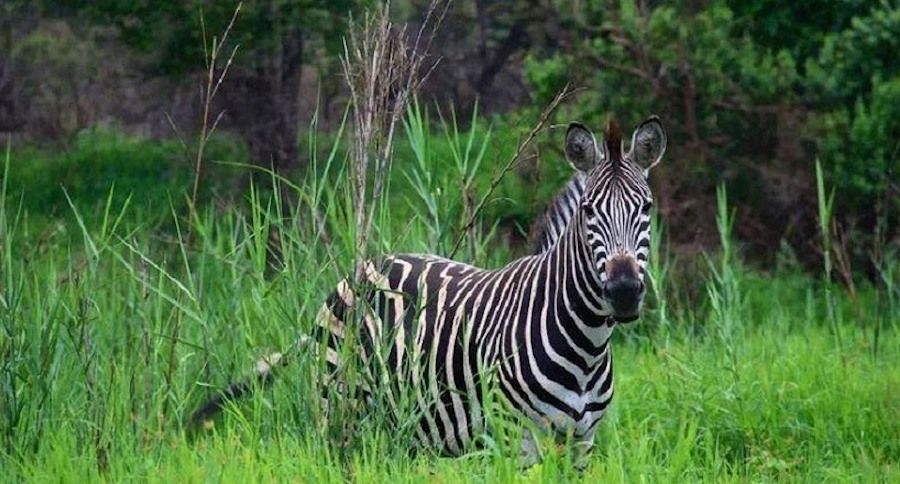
[[541, 325], [543, 321], [553, 222]]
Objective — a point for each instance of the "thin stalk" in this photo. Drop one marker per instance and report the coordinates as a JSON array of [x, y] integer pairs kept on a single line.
[[495, 182], [826, 211], [213, 83]]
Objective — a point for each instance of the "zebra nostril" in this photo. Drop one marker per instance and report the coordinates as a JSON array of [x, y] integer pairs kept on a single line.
[[625, 294], [626, 285]]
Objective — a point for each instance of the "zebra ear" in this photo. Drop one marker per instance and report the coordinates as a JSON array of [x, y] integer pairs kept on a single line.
[[648, 143], [581, 147]]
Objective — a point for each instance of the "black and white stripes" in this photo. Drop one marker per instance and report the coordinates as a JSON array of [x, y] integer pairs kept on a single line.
[[542, 322], [433, 328], [552, 223]]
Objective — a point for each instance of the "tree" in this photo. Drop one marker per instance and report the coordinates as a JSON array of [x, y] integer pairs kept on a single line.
[[752, 95], [274, 40]]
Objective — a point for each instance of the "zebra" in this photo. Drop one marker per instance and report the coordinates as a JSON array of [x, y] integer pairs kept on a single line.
[[553, 221], [542, 323]]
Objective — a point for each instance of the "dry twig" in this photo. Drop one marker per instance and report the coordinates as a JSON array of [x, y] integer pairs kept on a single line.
[[383, 73], [495, 182], [213, 82]]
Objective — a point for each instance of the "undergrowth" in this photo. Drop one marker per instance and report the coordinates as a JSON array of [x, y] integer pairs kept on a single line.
[[112, 334]]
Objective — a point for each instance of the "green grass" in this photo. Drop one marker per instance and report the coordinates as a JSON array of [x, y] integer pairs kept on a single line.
[[102, 167], [111, 336]]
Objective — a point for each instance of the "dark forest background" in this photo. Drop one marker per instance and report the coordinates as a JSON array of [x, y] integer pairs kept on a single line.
[[753, 94]]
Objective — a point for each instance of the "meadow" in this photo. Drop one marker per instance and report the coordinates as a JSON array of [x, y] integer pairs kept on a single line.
[[119, 314]]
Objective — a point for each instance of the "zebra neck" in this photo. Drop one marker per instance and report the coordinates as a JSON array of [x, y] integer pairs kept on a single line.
[[580, 317]]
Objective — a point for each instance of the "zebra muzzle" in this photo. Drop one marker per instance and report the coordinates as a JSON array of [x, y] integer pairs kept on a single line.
[[624, 289]]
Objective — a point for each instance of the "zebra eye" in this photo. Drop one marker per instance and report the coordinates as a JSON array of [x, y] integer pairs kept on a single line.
[[645, 208]]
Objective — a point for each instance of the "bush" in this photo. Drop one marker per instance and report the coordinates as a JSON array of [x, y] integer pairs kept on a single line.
[[104, 165], [750, 105]]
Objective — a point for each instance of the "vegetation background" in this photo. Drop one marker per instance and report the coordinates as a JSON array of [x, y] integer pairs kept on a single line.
[[145, 259]]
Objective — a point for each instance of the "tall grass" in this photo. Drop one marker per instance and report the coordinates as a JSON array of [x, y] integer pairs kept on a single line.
[[724, 291], [658, 272], [826, 211], [110, 337]]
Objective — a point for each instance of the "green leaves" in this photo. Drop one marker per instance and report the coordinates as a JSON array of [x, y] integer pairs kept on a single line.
[[752, 92], [171, 33], [850, 59]]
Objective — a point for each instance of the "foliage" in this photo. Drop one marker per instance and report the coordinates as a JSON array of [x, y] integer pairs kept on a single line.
[[271, 40], [106, 166], [172, 33], [857, 82], [752, 94], [851, 59], [111, 338], [861, 145], [779, 26]]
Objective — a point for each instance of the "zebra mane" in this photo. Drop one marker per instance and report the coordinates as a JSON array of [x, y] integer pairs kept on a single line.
[[550, 225], [613, 138]]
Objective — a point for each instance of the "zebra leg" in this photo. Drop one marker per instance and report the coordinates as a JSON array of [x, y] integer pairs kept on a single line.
[[530, 454], [581, 451]]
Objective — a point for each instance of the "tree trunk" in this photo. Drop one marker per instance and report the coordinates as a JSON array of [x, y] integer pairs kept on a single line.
[[263, 103], [263, 108]]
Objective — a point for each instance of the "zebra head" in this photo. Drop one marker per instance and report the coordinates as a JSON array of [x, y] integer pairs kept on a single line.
[[614, 210]]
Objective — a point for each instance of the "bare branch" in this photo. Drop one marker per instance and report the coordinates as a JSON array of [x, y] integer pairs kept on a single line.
[[495, 182], [383, 73]]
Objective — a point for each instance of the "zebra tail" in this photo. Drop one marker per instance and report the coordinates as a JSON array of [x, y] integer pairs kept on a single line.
[[263, 376]]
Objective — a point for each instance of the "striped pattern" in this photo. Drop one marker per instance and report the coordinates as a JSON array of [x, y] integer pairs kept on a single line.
[[553, 222], [538, 329], [542, 323], [443, 321]]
